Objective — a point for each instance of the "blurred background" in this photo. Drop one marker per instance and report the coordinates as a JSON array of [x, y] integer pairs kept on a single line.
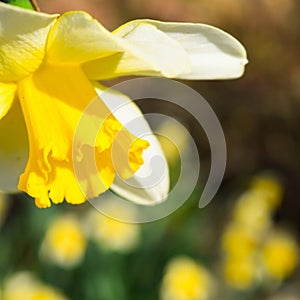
[[244, 244]]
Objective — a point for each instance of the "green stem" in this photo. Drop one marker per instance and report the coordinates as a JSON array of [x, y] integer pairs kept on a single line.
[[35, 5]]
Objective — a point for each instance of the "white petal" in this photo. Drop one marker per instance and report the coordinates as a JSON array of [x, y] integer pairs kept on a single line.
[[145, 51], [213, 53], [150, 184], [13, 149]]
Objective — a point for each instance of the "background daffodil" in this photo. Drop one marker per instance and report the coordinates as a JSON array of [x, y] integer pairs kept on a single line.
[[48, 65]]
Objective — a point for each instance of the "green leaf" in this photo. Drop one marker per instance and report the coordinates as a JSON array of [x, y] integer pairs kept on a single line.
[[21, 3]]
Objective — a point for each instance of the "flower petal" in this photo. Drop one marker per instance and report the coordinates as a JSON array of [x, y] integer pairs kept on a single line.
[[53, 100], [13, 148], [50, 122], [76, 38], [213, 53], [7, 94], [23, 36], [146, 51], [150, 184]]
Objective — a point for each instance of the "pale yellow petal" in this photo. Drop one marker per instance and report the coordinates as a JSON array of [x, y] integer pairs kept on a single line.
[[13, 148], [212, 53], [7, 94], [76, 38], [146, 51], [174, 50], [23, 36]]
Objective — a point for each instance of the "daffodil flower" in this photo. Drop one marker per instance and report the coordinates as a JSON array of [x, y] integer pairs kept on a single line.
[[49, 65]]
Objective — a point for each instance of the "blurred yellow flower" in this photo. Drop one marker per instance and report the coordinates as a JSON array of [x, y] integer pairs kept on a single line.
[[252, 210], [173, 139], [112, 234], [239, 241], [185, 279], [280, 255], [24, 286], [64, 243], [240, 273], [48, 68], [250, 251], [271, 187]]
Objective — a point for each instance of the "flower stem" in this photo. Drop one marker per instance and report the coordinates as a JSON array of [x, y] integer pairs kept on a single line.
[[35, 5]]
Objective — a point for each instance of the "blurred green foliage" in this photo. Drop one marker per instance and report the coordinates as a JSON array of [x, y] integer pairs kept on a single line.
[[21, 3], [109, 274]]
